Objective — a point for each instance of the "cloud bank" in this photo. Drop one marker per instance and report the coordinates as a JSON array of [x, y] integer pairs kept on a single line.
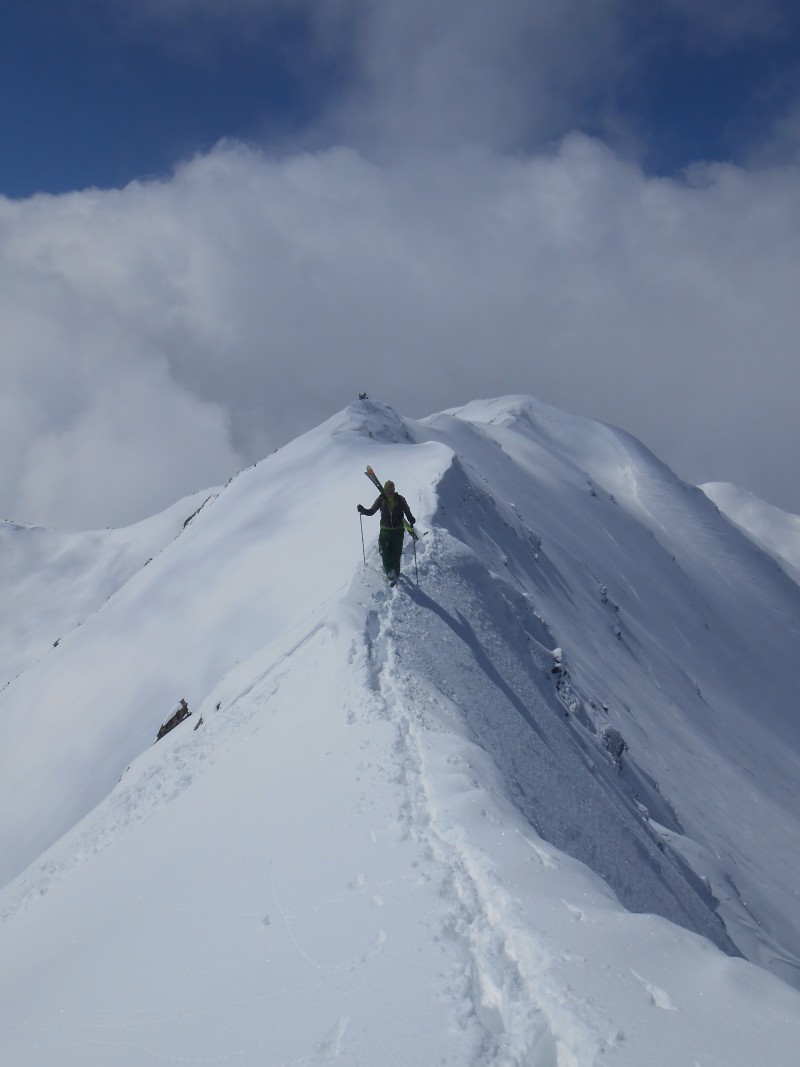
[[159, 337]]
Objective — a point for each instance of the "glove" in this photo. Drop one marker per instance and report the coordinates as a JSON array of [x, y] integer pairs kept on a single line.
[[360, 508]]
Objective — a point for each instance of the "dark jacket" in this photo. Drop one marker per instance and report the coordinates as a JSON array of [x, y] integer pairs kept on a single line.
[[392, 511]]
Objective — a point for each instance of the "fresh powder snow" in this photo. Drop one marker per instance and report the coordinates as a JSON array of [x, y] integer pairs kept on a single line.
[[539, 809]]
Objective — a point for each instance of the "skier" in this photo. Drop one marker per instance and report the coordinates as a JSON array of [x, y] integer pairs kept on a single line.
[[390, 540]]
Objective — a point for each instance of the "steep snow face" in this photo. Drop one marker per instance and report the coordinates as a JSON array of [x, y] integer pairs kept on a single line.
[[478, 651], [676, 631], [398, 825], [772, 529]]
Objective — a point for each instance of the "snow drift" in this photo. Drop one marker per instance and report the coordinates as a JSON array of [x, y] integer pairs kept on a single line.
[[533, 810]]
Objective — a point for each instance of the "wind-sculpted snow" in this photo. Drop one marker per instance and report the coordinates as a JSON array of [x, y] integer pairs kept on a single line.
[[480, 822], [771, 529], [476, 652], [677, 631]]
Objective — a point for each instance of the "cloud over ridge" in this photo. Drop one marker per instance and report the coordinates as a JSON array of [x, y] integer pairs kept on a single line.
[[159, 336]]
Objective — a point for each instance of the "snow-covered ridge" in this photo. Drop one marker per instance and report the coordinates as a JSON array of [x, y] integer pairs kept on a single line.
[[777, 532], [655, 600], [397, 827]]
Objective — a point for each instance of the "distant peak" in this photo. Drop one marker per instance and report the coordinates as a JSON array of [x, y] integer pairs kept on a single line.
[[369, 418]]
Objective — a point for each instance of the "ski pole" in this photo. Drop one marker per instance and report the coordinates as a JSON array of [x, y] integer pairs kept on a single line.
[[416, 572], [363, 550]]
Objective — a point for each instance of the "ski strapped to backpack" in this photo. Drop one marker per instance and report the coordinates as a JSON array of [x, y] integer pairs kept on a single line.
[[373, 477]]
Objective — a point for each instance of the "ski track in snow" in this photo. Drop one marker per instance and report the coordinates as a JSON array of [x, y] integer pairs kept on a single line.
[[503, 991]]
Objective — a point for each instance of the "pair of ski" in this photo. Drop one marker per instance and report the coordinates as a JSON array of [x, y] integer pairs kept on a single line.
[[373, 477]]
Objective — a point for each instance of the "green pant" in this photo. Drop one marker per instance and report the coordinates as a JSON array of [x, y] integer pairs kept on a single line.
[[390, 543]]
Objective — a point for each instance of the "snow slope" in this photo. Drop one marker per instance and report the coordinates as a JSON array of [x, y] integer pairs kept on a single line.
[[390, 833], [51, 581], [777, 532]]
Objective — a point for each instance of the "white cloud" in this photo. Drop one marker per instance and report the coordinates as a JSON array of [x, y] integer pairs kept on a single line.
[[137, 445], [158, 337], [510, 74], [505, 74]]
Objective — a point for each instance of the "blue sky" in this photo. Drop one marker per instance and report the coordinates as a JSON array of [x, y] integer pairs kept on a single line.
[[90, 100], [258, 209], [90, 96]]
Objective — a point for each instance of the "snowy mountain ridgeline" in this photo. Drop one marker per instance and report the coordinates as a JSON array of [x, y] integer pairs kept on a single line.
[[539, 809], [771, 529]]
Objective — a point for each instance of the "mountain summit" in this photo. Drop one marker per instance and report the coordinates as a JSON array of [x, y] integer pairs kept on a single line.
[[539, 808]]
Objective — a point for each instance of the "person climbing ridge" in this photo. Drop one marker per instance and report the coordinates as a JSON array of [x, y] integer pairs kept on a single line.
[[393, 508]]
